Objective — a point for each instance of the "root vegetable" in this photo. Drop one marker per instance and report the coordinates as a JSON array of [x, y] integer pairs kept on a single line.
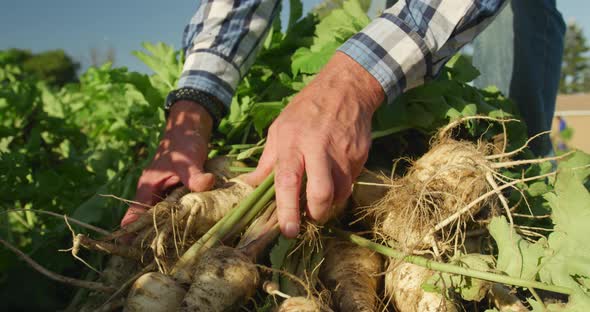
[[299, 304], [117, 271], [231, 265], [451, 175], [351, 273], [252, 204], [224, 277], [154, 292], [218, 166], [403, 284], [209, 207]]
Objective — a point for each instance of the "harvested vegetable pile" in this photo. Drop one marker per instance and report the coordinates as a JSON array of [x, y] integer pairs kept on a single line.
[[469, 222]]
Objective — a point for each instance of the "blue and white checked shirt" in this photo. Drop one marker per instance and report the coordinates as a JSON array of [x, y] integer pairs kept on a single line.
[[404, 47]]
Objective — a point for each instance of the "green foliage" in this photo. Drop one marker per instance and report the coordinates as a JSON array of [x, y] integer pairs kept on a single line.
[[517, 257], [54, 67], [448, 98], [331, 32], [59, 151], [560, 259]]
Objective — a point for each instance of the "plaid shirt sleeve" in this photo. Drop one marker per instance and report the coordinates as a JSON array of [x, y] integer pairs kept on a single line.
[[412, 40], [221, 42]]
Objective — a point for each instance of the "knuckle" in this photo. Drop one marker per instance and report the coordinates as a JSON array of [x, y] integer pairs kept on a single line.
[[320, 197], [287, 179], [319, 214]]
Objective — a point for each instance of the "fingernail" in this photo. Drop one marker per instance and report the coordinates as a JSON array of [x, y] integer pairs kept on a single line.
[[291, 229]]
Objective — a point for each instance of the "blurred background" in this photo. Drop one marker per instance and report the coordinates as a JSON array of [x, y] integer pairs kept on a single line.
[[94, 31]]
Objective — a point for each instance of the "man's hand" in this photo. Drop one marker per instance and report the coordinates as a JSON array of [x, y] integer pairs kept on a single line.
[[325, 132], [179, 158]]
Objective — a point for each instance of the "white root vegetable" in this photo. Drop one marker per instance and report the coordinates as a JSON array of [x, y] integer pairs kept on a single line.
[[218, 166], [154, 292], [351, 272], [117, 271], [223, 278], [449, 176], [207, 208], [299, 304], [403, 284]]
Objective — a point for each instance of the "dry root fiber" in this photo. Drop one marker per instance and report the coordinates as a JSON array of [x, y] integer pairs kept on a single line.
[[451, 175], [403, 283], [351, 273], [224, 278], [369, 188]]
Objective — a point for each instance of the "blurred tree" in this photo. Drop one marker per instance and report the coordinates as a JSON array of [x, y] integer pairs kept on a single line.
[[576, 66], [55, 66], [99, 57]]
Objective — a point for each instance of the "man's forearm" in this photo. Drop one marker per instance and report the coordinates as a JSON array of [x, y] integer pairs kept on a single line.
[[411, 41]]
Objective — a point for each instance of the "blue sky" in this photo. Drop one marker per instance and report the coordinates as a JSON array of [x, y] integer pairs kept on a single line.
[[78, 26]]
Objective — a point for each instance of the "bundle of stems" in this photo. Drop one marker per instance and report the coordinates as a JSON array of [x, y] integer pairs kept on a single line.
[[235, 220]]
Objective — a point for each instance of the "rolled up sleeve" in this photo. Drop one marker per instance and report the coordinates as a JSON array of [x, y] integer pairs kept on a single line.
[[221, 43], [412, 40]]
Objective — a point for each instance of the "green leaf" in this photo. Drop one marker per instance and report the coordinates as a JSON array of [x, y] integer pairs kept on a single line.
[[516, 256], [470, 289], [461, 69], [566, 264], [330, 33], [278, 254], [264, 113], [307, 61], [164, 61], [537, 189]]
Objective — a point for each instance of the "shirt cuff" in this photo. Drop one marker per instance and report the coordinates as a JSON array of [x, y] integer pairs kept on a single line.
[[392, 52], [210, 72]]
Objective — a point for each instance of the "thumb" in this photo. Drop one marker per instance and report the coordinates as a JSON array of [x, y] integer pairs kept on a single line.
[[195, 179], [188, 166], [200, 181]]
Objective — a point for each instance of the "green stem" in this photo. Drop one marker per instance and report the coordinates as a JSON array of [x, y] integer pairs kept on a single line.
[[181, 270], [253, 212], [449, 268], [242, 169]]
